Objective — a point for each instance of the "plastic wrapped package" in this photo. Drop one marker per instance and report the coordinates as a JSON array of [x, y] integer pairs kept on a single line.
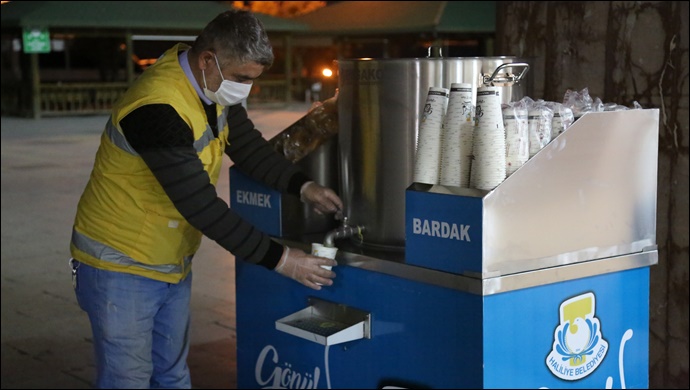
[[539, 123], [517, 136], [309, 132], [579, 102], [562, 118]]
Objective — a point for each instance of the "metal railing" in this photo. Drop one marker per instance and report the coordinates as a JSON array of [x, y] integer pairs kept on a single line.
[[268, 91], [62, 99], [80, 98]]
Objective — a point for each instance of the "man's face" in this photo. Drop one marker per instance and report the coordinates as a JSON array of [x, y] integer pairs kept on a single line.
[[241, 73]]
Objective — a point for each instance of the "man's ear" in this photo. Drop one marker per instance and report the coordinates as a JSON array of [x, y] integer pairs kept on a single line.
[[205, 59]]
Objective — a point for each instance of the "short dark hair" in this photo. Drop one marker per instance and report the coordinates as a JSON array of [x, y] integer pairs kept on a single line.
[[236, 36]]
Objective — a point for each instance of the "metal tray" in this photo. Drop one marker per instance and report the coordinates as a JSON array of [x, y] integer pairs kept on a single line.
[[327, 323]]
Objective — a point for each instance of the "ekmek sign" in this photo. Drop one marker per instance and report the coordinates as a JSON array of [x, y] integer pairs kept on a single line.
[[257, 203]]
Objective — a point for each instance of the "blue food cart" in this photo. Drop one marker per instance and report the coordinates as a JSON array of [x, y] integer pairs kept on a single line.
[[542, 282]]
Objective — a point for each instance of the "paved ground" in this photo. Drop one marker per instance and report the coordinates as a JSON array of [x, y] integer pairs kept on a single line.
[[46, 339]]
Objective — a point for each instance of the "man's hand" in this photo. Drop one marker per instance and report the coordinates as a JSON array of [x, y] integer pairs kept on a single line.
[[331, 100], [323, 199], [314, 106], [306, 269]]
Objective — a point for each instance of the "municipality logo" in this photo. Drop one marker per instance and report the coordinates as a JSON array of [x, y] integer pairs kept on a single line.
[[578, 347]]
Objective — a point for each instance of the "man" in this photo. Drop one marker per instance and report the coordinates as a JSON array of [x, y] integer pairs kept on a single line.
[[151, 196]]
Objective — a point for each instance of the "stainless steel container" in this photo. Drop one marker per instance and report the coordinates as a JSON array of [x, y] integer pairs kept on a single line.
[[322, 166], [298, 219], [379, 109]]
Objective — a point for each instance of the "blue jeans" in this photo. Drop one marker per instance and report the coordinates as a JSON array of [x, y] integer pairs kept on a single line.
[[140, 328]]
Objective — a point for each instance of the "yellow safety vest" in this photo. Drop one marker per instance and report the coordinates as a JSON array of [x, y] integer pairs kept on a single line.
[[125, 222]]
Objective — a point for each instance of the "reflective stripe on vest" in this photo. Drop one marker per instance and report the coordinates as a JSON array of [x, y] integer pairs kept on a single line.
[[111, 255], [118, 139]]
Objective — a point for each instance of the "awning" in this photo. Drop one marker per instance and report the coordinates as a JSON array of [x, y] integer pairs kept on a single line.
[[391, 17], [190, 16]]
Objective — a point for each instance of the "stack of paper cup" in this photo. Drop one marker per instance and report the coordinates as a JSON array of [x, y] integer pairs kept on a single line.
[[458, 113], [517, 138], [427, 159], [489, 141], [466, 141]]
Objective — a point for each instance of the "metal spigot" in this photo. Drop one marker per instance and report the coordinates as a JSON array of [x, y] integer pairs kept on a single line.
[[344, 231]]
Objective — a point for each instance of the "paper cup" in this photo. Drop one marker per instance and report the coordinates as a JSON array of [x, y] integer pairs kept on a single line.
[[428, 154], [458, 114], [488, 114], [323, 251]]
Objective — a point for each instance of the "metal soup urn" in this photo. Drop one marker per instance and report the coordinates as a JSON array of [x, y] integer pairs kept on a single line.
[[379, 108]]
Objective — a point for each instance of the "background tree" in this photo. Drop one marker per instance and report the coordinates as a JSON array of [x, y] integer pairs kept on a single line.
[[283, 9]]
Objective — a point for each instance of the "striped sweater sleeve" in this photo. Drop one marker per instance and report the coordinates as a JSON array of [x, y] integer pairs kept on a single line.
[[165, 143], [253, 155]]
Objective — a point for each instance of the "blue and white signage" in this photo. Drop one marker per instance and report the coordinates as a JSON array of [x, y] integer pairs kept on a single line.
[[255, 202], [578, 346], [443, 232], [584, 333]]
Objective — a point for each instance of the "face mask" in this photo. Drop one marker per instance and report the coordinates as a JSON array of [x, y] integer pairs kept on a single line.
[[229, 93]]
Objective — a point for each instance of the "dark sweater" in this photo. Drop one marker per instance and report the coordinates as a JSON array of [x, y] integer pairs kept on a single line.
[[165, 143]]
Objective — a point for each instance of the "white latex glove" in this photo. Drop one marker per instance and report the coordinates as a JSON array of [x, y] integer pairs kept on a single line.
[[323, 199], [305, 268]]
